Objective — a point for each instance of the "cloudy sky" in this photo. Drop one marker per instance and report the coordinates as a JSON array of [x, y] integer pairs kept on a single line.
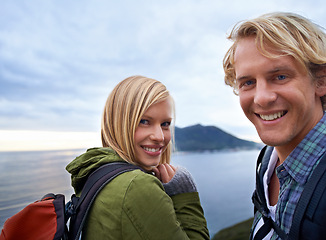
[[60, 59]]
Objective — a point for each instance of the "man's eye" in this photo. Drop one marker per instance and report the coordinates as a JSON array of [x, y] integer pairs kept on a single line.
[[248, 83], [281, 77]]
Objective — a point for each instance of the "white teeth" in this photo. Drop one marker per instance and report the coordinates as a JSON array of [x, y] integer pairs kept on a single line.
[[271, 116], [151, 149]]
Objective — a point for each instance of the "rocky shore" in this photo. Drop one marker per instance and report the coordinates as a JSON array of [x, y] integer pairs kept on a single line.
[[240, 231]]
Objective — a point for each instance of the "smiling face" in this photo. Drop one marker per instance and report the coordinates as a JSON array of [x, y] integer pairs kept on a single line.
[[277, 95], [153, 134]]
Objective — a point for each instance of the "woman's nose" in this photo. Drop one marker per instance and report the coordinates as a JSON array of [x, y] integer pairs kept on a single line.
[[157, 134]]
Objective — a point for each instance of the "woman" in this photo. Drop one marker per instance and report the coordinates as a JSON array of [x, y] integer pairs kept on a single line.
[[160, 204]]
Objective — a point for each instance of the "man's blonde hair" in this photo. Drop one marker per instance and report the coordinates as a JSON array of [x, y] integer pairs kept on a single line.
[[288, 33], [123, 111]]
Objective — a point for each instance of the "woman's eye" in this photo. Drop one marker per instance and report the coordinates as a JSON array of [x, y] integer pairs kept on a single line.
[[143, 121], [166, 124]]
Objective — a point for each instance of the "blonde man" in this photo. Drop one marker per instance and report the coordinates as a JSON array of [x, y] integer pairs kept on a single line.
[[277, 66]]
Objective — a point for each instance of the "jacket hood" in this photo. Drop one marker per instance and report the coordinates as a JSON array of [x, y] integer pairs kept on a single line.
[[82, 166]]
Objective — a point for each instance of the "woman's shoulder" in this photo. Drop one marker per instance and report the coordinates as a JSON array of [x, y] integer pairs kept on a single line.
[[138, 178], [137, 185], [129, 181], [130, 185]]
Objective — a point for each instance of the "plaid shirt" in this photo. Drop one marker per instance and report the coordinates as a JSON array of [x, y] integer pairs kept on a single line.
[[295, 172]]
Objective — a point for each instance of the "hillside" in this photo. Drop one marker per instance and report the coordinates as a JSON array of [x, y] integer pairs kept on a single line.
[[240, 231], [208, 138]]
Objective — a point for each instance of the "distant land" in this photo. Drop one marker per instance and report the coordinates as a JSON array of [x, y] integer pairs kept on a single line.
[[239, 231], [209, 138]]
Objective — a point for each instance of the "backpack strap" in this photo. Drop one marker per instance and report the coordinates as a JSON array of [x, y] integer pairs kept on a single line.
[[79, 207], [266, 228], [307, 203], [258, 196], [259, 200], [312, 192]]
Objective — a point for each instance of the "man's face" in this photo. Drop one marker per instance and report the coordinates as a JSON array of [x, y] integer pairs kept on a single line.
[[277, 95]]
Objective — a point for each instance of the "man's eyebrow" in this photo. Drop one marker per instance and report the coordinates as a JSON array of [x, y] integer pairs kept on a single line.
[[242, 78], [272, 71], [278, 69]]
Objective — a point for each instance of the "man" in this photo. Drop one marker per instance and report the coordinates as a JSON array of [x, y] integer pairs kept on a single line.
[[277, 66]]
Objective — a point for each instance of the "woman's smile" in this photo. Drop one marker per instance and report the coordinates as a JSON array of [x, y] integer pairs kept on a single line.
[[153, 134]]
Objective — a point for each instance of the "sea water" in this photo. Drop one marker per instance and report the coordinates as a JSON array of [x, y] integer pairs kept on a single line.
[[225, 181]]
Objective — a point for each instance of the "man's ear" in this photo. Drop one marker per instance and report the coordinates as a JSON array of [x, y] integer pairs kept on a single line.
[[321, 82], [321, 89]]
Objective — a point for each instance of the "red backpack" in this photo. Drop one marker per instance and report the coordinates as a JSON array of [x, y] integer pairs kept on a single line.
[[47, 218]]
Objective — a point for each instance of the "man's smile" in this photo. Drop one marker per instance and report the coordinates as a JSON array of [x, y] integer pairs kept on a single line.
[[271, 117]]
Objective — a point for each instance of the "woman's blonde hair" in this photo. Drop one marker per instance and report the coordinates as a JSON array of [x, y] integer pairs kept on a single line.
[[289, 33], [123, 111]]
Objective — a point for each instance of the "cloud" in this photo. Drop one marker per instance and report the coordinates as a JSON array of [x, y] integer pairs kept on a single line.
[[60, 59]]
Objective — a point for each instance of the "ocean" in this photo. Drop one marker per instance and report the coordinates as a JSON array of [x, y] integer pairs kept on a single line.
[[225, 181]]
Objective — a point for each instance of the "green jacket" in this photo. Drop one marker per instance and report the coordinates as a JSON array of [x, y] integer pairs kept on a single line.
[[135, 206]]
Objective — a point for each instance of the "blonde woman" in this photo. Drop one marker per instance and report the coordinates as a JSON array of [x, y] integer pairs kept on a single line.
[[160, 204]]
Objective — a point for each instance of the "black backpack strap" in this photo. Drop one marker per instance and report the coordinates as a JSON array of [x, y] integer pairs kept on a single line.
[[259, 200], [311, 195], [94, 184], [263, 231], [266, 228], [258, 196]]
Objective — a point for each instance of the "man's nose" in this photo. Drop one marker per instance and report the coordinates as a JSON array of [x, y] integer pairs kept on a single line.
[[265, 94]]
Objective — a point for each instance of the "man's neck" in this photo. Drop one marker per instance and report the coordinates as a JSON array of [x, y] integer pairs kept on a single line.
[[283, 151]]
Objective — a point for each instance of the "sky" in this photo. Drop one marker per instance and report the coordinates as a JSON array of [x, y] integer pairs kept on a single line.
[[60, 59]]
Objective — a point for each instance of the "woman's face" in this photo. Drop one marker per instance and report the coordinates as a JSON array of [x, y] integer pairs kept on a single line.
[[153, 134]]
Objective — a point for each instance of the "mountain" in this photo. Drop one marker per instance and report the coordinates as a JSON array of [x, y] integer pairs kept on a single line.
[[208, 138]]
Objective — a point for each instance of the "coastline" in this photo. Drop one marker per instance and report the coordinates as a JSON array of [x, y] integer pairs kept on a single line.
[[239, 231]]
